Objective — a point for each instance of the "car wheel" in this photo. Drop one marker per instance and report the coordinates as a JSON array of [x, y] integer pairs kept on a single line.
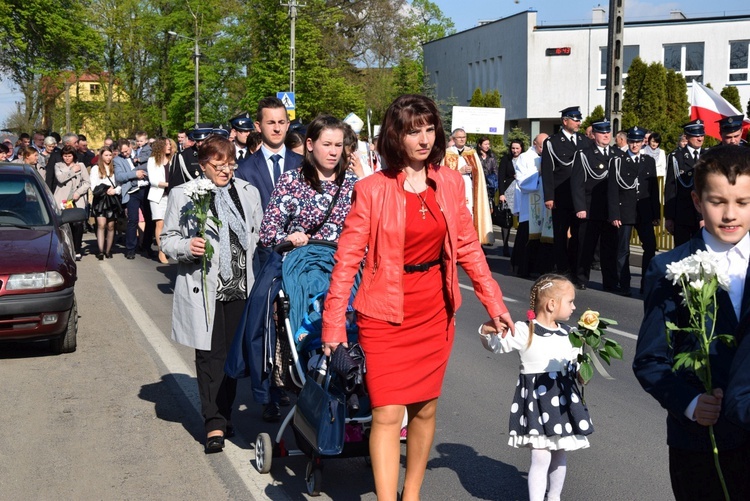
[[67, 342]]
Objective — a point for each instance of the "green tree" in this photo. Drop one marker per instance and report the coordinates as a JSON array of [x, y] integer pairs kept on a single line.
[[596, 114], [477, 98], [731, 94], [324, 81], [677, 111], [644, 95], [37, 43]]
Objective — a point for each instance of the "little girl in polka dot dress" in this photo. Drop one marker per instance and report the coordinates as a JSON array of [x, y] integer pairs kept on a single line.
[[548, 414]]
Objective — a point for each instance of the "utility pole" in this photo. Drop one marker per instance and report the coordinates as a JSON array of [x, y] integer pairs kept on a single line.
[[292, 4], [615, 55]]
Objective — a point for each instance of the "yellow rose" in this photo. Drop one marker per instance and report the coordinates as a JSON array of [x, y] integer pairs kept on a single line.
[[589, 320]]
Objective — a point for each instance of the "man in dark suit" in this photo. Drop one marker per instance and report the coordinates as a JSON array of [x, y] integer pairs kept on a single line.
[[186, 168], [134, 182], [588, 184], [557, 164], [681, 218], [647, 210], [730, 129], [691, 410], [263, 168], [622, 196]]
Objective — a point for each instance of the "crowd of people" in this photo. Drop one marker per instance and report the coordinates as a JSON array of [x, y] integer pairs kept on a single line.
[[578, 198], [406, 210]]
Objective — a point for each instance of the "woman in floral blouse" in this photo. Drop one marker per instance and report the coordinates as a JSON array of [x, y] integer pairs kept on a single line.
[[314, 200]]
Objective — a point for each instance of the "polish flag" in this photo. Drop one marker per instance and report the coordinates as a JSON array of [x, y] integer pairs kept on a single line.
[[709, 106]]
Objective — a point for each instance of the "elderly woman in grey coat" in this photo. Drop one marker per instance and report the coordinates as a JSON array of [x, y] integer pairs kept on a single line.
[[206, 320]]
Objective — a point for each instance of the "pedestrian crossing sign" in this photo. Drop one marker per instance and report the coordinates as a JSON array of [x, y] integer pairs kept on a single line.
[[288, 99]]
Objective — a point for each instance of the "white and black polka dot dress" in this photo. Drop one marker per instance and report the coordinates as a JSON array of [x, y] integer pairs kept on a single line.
[[547, 410]]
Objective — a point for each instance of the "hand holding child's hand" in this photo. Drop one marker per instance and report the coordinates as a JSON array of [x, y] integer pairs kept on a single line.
[[504, 324], [709, 407], [489, 327]]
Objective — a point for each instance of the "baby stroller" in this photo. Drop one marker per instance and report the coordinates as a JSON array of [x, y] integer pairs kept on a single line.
[[305, 279]]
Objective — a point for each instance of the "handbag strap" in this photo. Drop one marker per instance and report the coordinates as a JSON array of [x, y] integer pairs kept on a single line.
[[317, 227]]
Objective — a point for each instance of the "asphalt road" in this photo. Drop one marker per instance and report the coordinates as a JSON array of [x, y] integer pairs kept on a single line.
[[118, 419]]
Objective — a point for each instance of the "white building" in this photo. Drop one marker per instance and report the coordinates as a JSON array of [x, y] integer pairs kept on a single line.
[[540, 70]]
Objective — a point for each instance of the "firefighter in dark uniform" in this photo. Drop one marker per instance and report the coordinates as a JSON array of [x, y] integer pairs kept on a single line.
[[186, 167], [647, 210], [623, 199], [588, 184], [242, 125], [730, 129], [557, 165], [681, 218]]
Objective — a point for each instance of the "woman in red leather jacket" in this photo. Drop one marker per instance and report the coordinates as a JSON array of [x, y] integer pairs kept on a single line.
[[411, 225]]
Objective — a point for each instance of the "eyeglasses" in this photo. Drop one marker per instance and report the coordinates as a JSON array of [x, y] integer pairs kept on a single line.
[[225, 167]]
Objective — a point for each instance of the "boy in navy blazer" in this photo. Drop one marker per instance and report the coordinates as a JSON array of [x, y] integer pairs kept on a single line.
[[722, 195]]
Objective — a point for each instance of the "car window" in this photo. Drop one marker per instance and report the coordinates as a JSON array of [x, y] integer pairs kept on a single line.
[[21, 202]]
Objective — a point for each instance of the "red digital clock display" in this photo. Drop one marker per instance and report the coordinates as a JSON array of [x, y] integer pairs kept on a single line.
[[558, 51]]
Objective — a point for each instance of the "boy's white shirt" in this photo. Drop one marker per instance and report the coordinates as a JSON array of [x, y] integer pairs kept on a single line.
[[733, 260]]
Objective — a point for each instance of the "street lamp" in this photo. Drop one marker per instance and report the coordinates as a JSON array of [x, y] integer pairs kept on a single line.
[[196, 55]]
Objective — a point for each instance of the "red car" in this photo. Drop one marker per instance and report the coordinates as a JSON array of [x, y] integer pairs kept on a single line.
[[37, 262]]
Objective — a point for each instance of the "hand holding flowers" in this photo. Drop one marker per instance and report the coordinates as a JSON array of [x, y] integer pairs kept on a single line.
[[199, 191], [699, 278]]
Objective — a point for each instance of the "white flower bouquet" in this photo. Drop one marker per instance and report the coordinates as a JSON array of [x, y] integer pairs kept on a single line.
[[699, 277], [199, 191]]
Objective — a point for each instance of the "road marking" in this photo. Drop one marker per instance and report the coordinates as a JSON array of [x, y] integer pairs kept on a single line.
[[505, 298], [162, 345], [609, 329], [622, 333]]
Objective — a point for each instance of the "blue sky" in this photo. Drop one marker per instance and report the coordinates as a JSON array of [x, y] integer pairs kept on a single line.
[[466, 13]]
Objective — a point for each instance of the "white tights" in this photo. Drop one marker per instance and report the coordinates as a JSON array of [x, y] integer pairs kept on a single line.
[[544, 463]]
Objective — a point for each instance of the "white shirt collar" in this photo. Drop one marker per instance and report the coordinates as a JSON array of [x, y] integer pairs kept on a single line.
[[267, 153], [715, 246]]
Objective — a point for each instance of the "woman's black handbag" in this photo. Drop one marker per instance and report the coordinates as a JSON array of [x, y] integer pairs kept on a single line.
[[320, 415], [502, 215]]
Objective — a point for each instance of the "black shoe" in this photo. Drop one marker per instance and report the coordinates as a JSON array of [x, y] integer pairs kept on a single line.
[[623, 292], [100, 256], [130, 255], [580, 286], [108, 255], [284, 400], [506, 251], [596, 266], [271, 412], [214, 444]]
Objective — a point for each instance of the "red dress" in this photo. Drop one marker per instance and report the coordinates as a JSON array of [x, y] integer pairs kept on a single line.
[[406, 362]]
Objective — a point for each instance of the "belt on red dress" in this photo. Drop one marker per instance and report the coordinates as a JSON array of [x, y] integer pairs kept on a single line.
[[412, 268]]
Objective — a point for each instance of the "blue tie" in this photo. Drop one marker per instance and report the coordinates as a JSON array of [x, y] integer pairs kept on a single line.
[[276, 167]]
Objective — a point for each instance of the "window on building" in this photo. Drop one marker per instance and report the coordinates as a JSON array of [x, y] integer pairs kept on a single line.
[[630, 53], [686, 58], [738, 65], [94, 88]]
